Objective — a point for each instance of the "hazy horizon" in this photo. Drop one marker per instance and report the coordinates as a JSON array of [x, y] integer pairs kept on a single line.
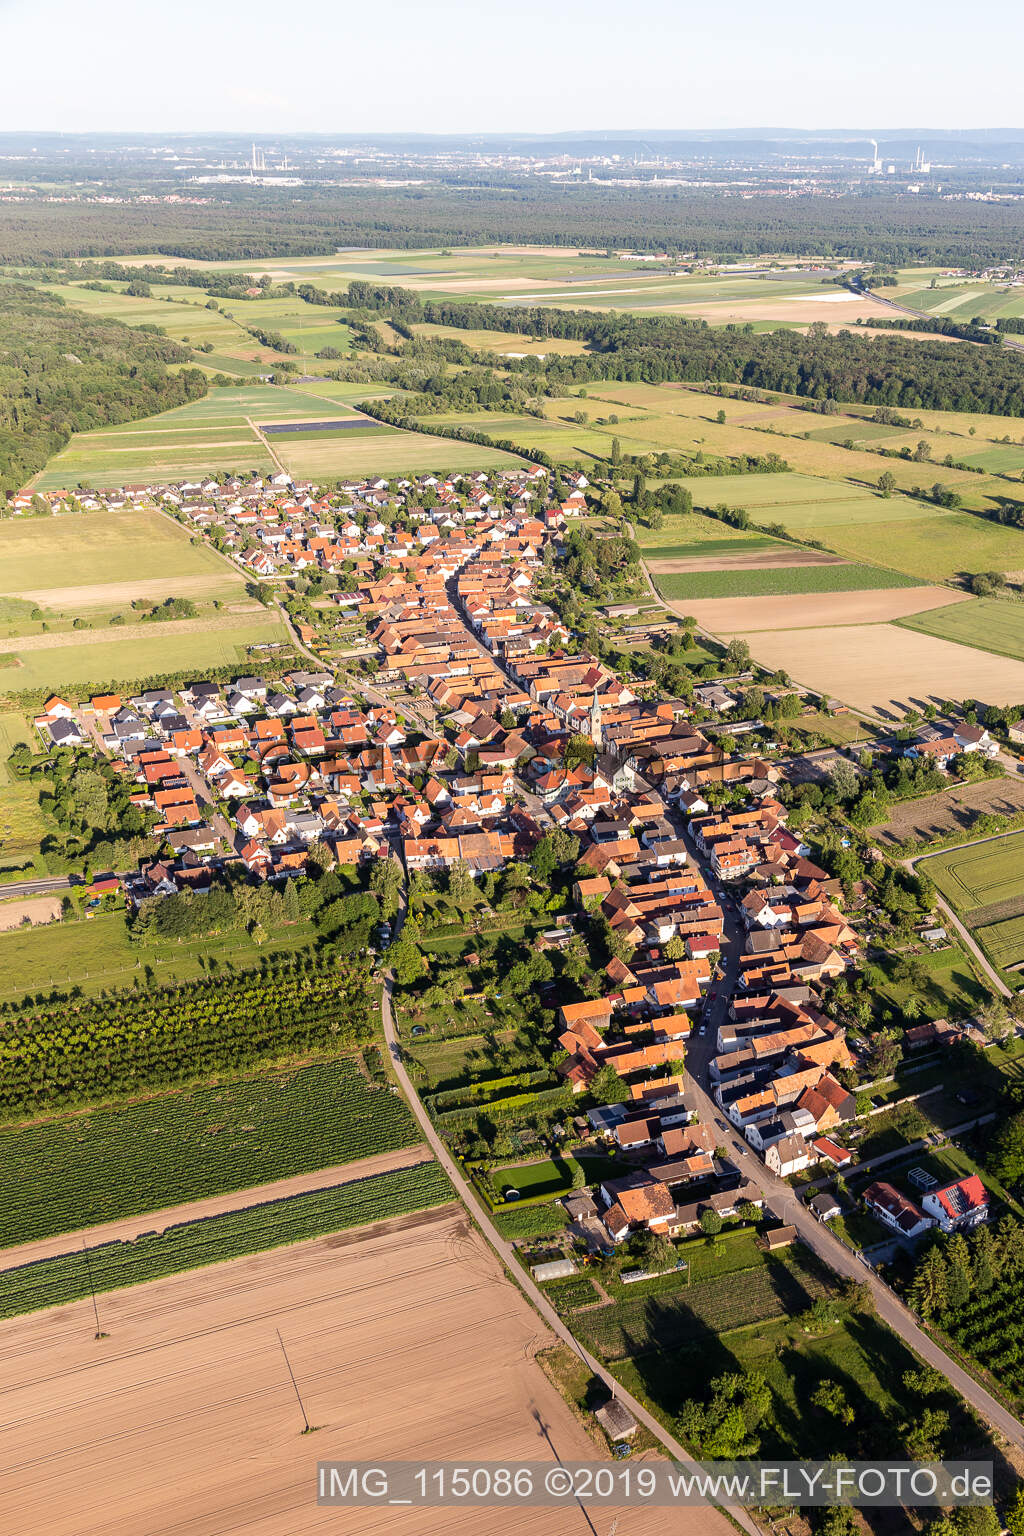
[[460, 69]]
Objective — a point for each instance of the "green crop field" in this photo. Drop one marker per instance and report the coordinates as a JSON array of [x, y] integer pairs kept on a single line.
[[530, 1221], [386, 451], [693, 534], [118, 1160], [97, 549], [754, 582], [96, 953], [986, 623], [169, 647], [980, 874], [1003, 941], [771, 1288], [70, 1276]]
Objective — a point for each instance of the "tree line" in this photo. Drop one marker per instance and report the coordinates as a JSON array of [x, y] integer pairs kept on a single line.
[[886, 370], [63, 372], [247, 223]]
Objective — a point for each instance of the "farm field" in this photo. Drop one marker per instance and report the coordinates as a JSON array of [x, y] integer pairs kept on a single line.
[[693, 534], [1003, 941], [903, 533], [984, 879], [22, 827], [190, 1244], [118, 1160], [564, 439], [876, 667], [96, 953], [216, 433], [936, 816], [684, 418], [183, 314], [750, 581], [725, 616], [768, 1289], [84, 659], [985, 623], [384, 450], [192, 1372], [76, 559]]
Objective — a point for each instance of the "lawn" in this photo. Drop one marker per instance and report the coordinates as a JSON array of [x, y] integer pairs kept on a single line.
[[554, 1177], [96, 954], [952, 989], [78, 1170], [14, 731], [74, 1275], [754, 582], [986, 623]]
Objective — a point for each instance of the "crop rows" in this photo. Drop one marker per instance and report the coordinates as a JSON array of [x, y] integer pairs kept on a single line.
[[56, 1281], [118, 1160], [632, 1327], [992, 1330], [80, 1050]]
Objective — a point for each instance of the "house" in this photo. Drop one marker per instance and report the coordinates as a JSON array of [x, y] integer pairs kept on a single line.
[[790, 1154], [895, 1211], [824, 1206], [779, 1237], [64, 733], [959, 1206]]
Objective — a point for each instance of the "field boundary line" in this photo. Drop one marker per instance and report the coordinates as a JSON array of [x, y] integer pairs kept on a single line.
[[127, 1228], [261, 438]]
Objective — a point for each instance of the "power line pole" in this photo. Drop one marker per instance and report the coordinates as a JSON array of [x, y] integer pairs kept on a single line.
[[295, 1384], [99, 1334]]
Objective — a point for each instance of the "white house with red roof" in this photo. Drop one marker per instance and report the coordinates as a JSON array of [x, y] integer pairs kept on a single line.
[[959, 1206]]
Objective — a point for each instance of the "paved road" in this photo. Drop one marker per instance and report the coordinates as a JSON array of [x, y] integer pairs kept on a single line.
[[506, 1253], [41, 887], [787, 1206]]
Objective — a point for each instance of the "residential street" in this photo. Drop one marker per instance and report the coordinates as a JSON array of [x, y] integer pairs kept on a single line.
[[787, 1206]]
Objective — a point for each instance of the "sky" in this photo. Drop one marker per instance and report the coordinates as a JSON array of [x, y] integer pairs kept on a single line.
[[462, 66]]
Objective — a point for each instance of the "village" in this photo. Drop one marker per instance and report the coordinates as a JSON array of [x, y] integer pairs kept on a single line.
[[478, 728]]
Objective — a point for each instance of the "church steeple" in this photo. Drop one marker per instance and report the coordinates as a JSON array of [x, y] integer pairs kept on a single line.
[[595, 721]]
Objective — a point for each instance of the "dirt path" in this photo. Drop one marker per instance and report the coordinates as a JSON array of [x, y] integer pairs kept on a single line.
[[262, 437], [131, 1227], [965, 935]]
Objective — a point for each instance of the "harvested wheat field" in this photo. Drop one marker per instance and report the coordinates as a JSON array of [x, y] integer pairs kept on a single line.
[[879, 667], [780, 559], [406, 1340], [732, 615]]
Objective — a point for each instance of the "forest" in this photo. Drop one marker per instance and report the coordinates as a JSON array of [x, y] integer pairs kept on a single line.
[[240, 223], [63, 372], [889, 370]]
